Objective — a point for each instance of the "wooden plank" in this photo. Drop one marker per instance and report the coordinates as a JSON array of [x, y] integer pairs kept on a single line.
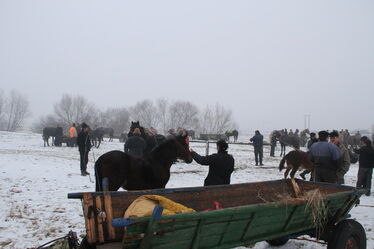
[[100, 220], [109, 216], [248, 226], [89, 217]]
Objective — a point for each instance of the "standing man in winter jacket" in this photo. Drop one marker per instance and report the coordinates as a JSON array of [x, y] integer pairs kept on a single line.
[[273, 144], [365, 163], [325, 157], [221, 164], [135, 145], [258, 142], [84, 146], [344, 160]]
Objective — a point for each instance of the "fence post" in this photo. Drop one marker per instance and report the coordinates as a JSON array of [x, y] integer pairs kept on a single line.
[[207, 148]]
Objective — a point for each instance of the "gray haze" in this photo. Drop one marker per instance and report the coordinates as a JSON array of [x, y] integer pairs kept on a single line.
[[270, 62]]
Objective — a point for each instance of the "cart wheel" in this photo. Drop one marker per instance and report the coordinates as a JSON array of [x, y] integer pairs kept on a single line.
[[278, 241], [348, 234]]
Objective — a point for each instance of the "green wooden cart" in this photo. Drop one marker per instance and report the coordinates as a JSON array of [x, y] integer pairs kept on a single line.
[[252, 212]]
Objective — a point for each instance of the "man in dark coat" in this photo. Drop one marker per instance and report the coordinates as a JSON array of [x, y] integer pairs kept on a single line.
[[221, 164], [258, 142], [325, 156], [366, 164], [135, 145], [84, 147], [273, 144]]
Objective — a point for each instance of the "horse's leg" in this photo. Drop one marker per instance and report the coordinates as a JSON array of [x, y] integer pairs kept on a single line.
[[286, 173], [293, 172]]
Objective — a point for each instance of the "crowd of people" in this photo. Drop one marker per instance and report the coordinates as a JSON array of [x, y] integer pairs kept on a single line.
[[327, 152]]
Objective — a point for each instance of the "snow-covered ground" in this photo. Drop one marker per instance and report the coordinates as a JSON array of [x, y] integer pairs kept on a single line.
[[35, 181]]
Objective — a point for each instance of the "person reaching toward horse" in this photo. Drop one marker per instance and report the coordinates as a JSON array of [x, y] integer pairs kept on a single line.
[[221, 164], [344, 160], [84, 146], [135, 145]]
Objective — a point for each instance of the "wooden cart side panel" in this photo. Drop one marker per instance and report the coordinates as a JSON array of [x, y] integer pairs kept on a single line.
[[109, 216], [100, 220], [89, 217]]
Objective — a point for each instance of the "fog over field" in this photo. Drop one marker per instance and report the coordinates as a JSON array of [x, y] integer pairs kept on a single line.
[[272, 63]]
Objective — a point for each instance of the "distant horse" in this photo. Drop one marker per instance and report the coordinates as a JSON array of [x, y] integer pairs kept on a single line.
[[151, 171], [233, 133], [284, 140], [295, 159], [55, 132], [110, 132], [97, 136]]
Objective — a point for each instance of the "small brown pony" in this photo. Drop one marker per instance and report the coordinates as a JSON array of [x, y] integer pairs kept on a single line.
[[116, 169], [295, 159]]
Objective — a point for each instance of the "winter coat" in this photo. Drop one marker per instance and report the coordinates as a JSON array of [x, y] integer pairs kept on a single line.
[[257, 140], [311, 142], [366, 159], [84, 141], [324, 154], [73, 131], [135, 145], [344, 161], [221, 165]]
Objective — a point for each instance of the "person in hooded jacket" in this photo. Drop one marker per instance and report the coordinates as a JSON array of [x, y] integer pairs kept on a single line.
[[221, 164], [135, 145], [258, 142]]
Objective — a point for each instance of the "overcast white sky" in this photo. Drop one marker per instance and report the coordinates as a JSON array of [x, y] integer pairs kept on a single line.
[[271, 62]]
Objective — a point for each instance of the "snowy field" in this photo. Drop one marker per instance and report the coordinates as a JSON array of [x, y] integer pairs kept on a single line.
[[35, 181]]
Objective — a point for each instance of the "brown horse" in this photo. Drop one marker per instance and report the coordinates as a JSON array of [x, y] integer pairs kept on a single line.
[[295, 159], [117, 169]]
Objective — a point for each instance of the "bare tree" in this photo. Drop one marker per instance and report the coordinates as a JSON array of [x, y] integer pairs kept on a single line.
[[117, 118], [146, 113], [162, 106], [44, 121], [183, 114], [16, 111], [216, 119], [72, 109]]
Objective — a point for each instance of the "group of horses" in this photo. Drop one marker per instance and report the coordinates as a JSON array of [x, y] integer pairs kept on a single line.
[[58, 137]]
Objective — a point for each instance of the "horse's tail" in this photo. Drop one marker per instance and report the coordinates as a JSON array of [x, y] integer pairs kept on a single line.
[[282, 162], [97, 175]]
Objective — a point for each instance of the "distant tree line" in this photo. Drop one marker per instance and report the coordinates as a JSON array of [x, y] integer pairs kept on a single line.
[[161, 114], [14, 109]]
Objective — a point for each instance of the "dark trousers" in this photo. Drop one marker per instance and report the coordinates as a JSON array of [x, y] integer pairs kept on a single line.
[[272, 150], [258, 154], [84, 160], [325, 175], [364, 178]]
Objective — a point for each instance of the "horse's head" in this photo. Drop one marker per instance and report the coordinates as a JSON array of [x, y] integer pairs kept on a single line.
[[183, 148]]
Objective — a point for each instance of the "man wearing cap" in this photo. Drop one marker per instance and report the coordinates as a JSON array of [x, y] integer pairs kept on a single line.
[[221, 164], [344, 160], [325, 157], [84, 146]]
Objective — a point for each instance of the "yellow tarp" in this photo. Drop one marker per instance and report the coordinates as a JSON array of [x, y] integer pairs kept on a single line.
[[144, 205]]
